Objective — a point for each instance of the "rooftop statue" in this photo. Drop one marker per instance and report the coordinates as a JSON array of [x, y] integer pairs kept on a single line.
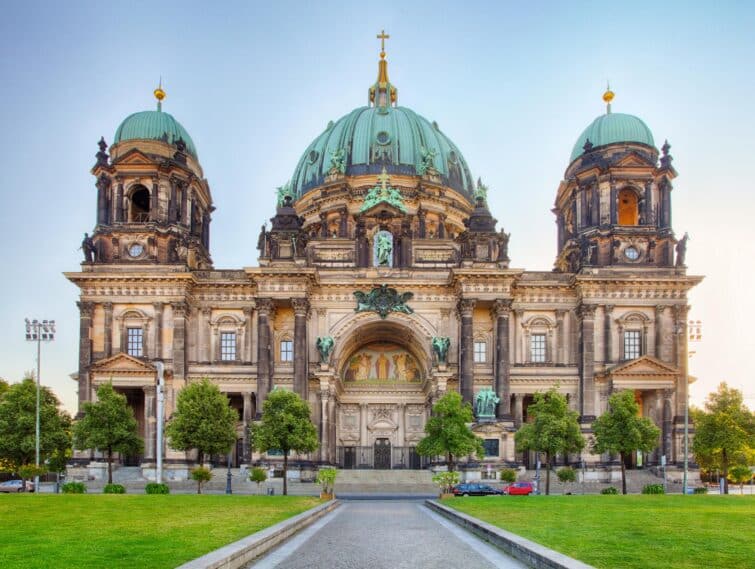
[[428, 161], [283, 192], [383, 192], [383, 300], [337, 162]]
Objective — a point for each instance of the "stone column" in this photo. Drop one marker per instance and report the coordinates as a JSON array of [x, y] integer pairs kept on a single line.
[[681, 360], [172, 202], [119, 202], [518, 355], [401, 412], [158, 306], [332, 429], [560, 336], [154, 201], [107, 332], [342, 223], [363, 424], [301, 310], [265, 310], [247, 355], [587, 363], [422, 227], [204, 349], [666, 428], [85, 349], [150, 422], [614, 205], [179, 339], [501, 311], [323, 395], [103, 185], [466, 350], [659, 331], [607, 338], [247, 416], [442, 227], [184, 203], [518, 409], [323, 225]]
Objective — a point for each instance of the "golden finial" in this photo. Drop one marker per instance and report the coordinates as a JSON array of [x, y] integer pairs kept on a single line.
[[159, 94], [608, 97], [382, 36]]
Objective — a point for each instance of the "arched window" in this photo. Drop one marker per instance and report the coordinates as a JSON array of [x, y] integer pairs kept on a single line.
[[138, 207], [628, 207]]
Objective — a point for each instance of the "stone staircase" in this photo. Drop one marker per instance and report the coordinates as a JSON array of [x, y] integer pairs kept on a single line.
[[396, 482]]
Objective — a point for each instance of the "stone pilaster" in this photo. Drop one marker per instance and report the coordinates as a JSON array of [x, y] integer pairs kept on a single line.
[[86, 309], [466, 349], [301, 311], [560, 337], [247, 414], [246, 357], [501, 312], [150, 422], [179, 339], [607, 336], [667, 424], [205, 351], [518, 409], [682, 359], [154, 201], [586, 365], [107, 332], [158, 306], [265, 310], [119, 202]]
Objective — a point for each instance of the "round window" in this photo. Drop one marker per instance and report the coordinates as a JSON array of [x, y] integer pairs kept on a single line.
[[383, 137], [313, 156], [631, 253]]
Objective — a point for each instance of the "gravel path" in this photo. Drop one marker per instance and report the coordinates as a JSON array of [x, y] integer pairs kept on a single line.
[[385, 534]]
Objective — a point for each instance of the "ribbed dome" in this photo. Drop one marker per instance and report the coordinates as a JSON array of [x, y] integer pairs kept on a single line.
[[373, 138], [613, 128], [154, 125]]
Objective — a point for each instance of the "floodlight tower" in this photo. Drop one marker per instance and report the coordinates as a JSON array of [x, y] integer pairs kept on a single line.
[[39, 331]]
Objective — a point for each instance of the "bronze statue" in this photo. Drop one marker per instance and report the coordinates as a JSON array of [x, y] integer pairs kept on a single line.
[[89, 248], [681, 250]]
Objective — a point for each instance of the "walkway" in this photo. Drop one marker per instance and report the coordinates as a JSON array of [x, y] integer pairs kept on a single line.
[[385, 535]]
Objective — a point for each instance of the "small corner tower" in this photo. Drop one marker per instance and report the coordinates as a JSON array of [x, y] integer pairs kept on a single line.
[[153, 203], [613, 207]]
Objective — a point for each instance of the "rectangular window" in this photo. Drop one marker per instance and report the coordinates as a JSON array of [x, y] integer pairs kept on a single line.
[[135, 342], [480, 352], [537, 348], [632, 344], [491, 447], [227, 346], [287, 350]]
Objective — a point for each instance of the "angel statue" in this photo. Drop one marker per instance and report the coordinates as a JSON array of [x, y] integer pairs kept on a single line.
[[324, 347], [440, 347]]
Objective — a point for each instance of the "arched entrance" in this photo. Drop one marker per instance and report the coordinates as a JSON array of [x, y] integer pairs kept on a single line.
[[383, 369]]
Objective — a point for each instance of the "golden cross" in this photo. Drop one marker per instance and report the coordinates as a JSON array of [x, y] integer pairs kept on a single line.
[[382, 36], [384, 180]]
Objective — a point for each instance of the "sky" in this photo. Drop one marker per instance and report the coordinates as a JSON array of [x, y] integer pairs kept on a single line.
[[513, 84]]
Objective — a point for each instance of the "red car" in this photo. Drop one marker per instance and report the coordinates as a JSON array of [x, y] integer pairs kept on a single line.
[[519, 489]]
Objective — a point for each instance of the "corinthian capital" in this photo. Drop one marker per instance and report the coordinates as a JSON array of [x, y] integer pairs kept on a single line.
[[301, 306], [501, 308], [466, 307]]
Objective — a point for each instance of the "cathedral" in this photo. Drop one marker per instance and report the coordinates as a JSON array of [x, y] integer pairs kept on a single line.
[[383, 282]]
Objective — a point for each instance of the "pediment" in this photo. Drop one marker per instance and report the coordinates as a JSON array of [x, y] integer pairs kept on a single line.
[[644, 365], [120, 363], [383, 210], [631, 159], [135, 157]]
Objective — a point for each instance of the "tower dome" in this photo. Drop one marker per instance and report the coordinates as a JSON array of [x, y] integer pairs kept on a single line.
[[154, 125]]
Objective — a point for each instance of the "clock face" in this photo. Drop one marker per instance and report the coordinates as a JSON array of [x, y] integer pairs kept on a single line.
[[136, 249], [631, 253]]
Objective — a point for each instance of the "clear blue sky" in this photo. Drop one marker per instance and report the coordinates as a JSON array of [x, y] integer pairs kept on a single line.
[[513, 85]]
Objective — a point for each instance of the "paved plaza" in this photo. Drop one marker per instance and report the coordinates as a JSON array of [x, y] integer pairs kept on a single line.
[[385, 534]]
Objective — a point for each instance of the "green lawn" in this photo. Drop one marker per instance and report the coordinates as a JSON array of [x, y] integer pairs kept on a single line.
[[110, 531], [615, 532]]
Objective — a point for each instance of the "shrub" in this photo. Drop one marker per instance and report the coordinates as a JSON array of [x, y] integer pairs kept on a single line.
[[257, 475], [74, 488], [508, 475], [326, 477], [114, 489], [201, 474], [566, 474], [609, 491], [653, 489], [446, 481], [700, 490], [155, 488]]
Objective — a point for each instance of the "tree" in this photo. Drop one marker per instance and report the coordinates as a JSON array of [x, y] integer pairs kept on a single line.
[[108, 425], [257, 475], [4, 387], [724, 431], [740, 474], [18, 425], [203, 420], [200, 474], [621, 430], [554, 429], [285, 427], [448, 432]]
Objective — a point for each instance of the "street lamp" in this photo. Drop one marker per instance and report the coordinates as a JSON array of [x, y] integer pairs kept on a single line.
[[228, 476], [39, 332]]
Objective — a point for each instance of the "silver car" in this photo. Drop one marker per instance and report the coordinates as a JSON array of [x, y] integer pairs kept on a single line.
[[16, 486]]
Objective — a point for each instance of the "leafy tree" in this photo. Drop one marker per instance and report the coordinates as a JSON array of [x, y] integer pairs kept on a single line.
[[622, 430], [326, 478], [285, 426], [740, 474], [108, 425], [258, 475], [4, 387], [18, 426], [446, 480], [203, 420], [508, 475], [554, 429], [200, 474], [724, 431], [448, 433]]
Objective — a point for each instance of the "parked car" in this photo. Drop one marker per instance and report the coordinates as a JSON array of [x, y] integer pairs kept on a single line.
[[16, 486], [519, 489], [469, 489]]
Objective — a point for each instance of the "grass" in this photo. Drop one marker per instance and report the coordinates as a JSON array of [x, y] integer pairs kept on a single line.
[[130, 530], [635, 531]]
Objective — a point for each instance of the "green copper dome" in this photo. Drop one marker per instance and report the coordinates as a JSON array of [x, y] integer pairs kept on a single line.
[[154, 125], [613, 128], [369, 139]]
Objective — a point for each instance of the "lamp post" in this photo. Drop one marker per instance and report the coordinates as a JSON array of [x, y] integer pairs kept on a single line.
[[228, 476], [694, 334], [39, 332]]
